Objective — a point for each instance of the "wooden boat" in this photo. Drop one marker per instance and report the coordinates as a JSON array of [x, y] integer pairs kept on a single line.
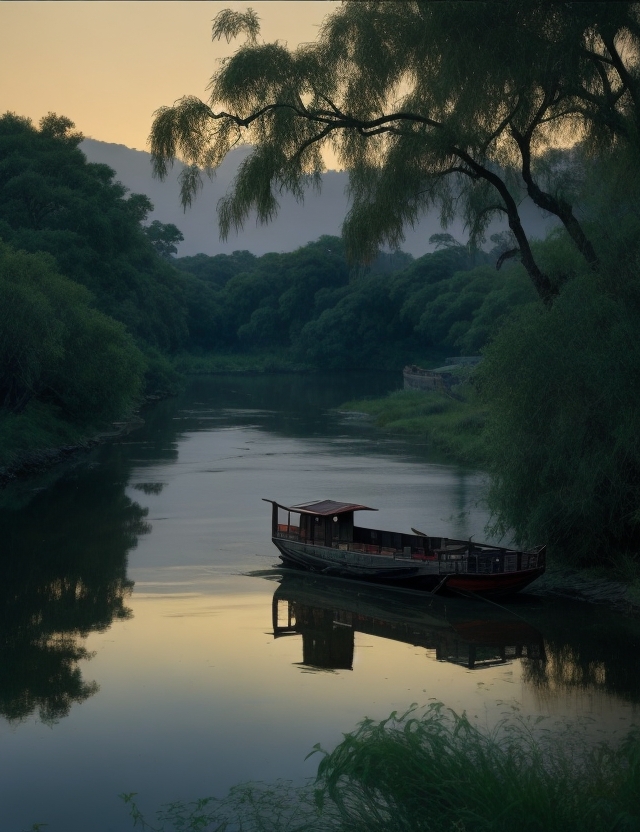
[[320, 536]]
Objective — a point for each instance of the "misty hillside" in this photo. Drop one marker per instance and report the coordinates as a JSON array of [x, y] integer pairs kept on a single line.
[[294, 226]]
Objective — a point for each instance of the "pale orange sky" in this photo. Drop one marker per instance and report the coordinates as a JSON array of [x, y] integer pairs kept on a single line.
[[109, 65]]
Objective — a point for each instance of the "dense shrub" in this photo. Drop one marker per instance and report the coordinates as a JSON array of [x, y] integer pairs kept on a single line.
[[563, 387], [56, 348]]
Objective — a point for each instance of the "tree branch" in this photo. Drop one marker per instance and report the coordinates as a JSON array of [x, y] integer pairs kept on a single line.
[[500, 128], [506, 255], [334, 117], [539, 279], [559, 207], [627, 79], [317, 138]]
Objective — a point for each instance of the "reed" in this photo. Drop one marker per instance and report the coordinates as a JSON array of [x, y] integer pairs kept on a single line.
[[434, 771], [437, 771]]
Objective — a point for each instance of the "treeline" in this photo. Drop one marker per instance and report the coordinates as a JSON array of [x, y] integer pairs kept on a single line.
[[89, 311], [94, 307], [326, 314]]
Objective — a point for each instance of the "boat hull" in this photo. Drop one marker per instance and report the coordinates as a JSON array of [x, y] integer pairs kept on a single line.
[[388, 569], [492, 586]]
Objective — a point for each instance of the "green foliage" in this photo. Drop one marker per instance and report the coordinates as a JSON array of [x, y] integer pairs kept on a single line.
[[426, 104], [161, 377], [464, 311], [438, 771], [610, 196], [309, 303], [453, 425], [56, 348], [164, 237], [357, 332], [80, 279], [559, 388], [52, 200], [563, 390], [434, 771], [218, 269], [203, 312], [248, 303], [453, 302], [263, 361], [249, 807], [60, 127], [39, 425], [31, 335], [100, 375]]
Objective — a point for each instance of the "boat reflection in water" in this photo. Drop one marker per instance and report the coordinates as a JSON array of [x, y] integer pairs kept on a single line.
[[328, 612]]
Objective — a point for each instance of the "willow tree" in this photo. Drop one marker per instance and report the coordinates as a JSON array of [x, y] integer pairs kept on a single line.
[[426, 104]]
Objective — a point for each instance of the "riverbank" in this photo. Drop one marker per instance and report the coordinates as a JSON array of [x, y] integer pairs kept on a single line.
[[25, 462], [39, 437], [592, 586], [452, 425]]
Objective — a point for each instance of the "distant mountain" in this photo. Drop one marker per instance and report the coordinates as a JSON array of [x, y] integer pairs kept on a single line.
[[295, 225]]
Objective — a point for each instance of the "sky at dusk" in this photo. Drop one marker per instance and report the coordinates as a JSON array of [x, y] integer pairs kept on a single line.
[[109, 65]]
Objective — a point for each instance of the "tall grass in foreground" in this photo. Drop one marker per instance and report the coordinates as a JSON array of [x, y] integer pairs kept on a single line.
[[435, 771]]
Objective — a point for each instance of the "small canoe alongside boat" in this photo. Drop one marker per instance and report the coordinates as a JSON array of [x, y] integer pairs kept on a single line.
[[320, 536]]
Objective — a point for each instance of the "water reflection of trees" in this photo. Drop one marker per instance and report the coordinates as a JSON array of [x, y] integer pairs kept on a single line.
[[562, 647], [292, 405], [63, 575], [587, 649]]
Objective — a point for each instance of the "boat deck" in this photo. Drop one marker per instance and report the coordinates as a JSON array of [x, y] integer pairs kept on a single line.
[[446, 555], [323, 538]]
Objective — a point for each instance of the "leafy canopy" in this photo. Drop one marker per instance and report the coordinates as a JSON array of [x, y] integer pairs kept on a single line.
[[53, 200], [454, 105], [164, 237], [55, 348], [563, 438]]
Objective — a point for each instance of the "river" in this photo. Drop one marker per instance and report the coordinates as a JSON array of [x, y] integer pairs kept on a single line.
[[148, 645]]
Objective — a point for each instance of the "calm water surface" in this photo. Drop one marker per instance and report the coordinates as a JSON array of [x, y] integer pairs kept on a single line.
[[140, 655]]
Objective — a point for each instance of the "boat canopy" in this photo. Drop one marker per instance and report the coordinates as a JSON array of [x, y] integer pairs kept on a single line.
[[322, 508]]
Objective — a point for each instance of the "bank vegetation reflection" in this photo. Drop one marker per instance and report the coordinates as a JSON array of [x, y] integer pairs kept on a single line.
[[63, 575], [588, 649], [560, 648]]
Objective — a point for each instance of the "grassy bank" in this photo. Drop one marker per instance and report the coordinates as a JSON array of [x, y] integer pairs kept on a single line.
[[455, 426], [450, 424], [41, 435], [37, 438], [434, 771]]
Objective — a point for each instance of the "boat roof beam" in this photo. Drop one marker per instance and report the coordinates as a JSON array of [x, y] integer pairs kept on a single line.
[[322, 508]]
